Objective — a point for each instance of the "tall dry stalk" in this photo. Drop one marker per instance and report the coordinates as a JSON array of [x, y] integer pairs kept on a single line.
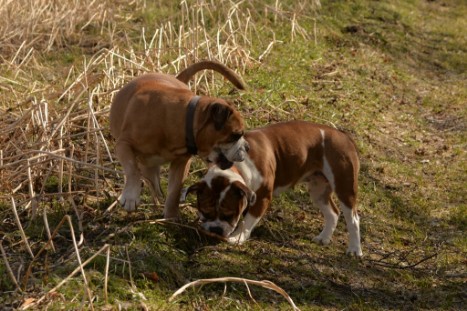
[[54, 139]]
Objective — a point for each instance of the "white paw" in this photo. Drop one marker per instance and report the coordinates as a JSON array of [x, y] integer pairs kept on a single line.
[[129, 202], [354, 251], [321, 240], [238, 238], [235, 240]]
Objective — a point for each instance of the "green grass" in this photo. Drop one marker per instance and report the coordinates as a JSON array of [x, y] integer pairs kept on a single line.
[[390, 73]]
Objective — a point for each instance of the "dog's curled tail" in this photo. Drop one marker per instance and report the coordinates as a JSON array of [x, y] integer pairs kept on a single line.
[[228, 73]]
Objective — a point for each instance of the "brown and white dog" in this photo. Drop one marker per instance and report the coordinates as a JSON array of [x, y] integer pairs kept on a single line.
[[155, 119], [280, 156]]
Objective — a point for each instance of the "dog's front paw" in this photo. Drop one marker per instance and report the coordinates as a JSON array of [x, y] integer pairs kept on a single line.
[[129, 203], [238, 240], [238, 237], [319, 239], [355, 251]]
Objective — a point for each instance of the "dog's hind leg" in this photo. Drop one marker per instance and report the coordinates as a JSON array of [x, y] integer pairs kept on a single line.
[[177, 173], [353, 227], [347, 197], [131, 193], [151, 175], [150, 169], [346, 191], [320, 191]]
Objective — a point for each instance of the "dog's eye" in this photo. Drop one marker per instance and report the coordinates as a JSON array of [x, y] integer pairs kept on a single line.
[[235, 136]]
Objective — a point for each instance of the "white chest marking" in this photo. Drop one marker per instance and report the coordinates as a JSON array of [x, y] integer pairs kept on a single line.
[[327, 170], [250, 173]]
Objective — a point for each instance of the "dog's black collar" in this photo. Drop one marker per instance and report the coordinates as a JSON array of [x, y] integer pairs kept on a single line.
[[190, 117]]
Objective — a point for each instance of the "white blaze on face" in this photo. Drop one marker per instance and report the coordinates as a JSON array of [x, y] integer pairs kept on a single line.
[[214, 171], [232, 176], [225, 226], [251, 178]]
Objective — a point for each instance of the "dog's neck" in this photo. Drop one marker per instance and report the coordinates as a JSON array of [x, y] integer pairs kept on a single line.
[[189, 132]]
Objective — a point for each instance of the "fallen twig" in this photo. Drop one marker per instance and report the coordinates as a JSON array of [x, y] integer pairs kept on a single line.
[[8, 268], [398, 266], [78, 256], [47, 229], [197, 229], [264, 283], [66, 279], [106, 279], [20, 227]]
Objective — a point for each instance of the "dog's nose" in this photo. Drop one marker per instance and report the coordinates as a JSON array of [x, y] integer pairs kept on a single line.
[[216, 230]]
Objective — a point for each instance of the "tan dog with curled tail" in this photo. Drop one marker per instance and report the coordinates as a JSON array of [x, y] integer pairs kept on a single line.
[[156, 119]]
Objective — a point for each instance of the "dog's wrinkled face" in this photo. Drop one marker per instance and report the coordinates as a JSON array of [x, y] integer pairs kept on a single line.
[[234, 149], [221, 199], [224, 136]]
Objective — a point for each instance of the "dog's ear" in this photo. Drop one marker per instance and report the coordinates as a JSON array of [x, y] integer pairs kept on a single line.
[[219, 113], [199, 186], [230, 103], [245, 191]]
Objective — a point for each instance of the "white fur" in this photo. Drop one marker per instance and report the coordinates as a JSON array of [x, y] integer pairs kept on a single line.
[[236, 152], [353, 227], [232, 176], [227, 229], [130, 197], [244, 229], [252, 178], [223, 194], [215, 171], [330, 223]]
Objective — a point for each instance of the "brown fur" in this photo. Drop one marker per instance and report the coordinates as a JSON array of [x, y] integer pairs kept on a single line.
[[281, 156], [147, 119]]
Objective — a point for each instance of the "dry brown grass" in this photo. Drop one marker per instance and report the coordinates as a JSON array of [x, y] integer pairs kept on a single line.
[[391, 73], [39, 139], [54, 123], [54, 142]]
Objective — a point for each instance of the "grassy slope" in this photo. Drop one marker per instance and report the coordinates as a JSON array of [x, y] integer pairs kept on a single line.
[[391, 74]]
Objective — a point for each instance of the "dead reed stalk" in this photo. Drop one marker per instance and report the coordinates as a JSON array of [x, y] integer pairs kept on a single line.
[[8, 268], [266, 284], [54, 138], [72, 274]]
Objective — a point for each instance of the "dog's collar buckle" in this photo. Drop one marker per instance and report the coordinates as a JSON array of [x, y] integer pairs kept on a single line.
[[189, 131]]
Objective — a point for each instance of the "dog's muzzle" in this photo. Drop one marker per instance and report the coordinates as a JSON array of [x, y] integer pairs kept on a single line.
[[217, 230], [218, 227], [224, 155], [236, 152]]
